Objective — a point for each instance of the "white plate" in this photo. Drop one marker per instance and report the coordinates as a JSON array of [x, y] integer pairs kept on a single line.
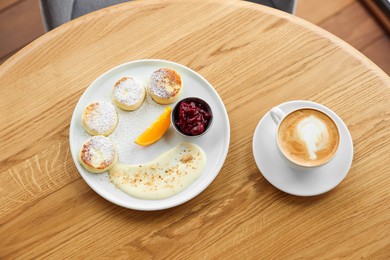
[[215, 143], [309, 182]]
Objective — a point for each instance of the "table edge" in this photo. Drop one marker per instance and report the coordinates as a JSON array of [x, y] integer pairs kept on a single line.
[[370, 65]]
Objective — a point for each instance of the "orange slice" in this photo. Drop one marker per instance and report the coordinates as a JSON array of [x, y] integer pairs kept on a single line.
[[156, 130]]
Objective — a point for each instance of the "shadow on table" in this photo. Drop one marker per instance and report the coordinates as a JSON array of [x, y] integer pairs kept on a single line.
[[265, 188]]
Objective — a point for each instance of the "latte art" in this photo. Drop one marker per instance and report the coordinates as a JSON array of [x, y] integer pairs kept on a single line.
[[314, 134], [308, 137]]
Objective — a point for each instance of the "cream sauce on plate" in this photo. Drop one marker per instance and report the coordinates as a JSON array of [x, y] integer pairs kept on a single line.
[[169, 174]]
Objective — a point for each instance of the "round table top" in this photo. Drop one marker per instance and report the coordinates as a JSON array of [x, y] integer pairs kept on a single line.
[[256, 58]]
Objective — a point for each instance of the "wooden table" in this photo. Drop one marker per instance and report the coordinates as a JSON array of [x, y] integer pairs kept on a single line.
[[256, 58]]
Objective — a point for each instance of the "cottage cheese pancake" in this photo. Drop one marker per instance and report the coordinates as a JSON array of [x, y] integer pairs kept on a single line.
[[169, 174], [308, 137], [128, 94], [99, 118], [98, 154], [165, 86]]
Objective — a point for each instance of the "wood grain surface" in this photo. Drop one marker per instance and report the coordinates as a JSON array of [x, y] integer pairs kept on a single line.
[[256, 58]]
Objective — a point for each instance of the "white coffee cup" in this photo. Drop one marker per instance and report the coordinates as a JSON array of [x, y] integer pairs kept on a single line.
[[313, 129]]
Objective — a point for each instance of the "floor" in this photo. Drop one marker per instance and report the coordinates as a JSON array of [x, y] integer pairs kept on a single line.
[[20, 23]]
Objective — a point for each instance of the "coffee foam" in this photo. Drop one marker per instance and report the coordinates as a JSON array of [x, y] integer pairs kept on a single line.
[[308, 137], [314, 134]]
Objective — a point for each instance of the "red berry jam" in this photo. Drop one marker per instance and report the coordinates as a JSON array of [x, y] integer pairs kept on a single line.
[[192, 118]]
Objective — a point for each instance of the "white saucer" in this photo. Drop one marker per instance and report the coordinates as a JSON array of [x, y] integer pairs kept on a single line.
[[309, 182]]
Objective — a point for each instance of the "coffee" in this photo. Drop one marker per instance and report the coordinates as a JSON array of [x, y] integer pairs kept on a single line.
[[308, 137]]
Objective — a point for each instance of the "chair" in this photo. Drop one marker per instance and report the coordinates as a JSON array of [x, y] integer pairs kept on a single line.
[[57, 12]]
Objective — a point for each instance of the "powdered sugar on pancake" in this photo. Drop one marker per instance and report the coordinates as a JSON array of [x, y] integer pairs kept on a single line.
[[98, 151], [128, 91], [100, 116], [164, 83]]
